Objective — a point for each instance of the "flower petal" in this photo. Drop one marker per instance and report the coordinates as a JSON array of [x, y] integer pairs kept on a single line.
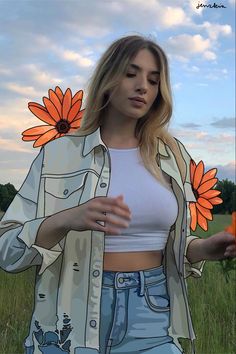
[[210, 194], [51, 109], [209, 175], [204, 203], [76, 123], [74, 111], [204, 211], [59, 93], [80, 114], [45, 138], [207, 185], [192, 169], [41, 114], [193, 213], [201, 220], [77, 96], [30, 137], [38, 130], [55, 100], [215, 201], [66, 105], [198, 175], [37, 105]]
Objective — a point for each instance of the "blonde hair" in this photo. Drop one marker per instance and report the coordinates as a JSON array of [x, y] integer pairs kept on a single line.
[[107, 75]]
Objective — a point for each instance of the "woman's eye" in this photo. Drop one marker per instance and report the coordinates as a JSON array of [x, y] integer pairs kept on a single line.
[[153, 82], [130, 75]]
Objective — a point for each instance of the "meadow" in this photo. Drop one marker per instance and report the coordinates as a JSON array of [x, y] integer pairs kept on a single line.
[[211, 298]]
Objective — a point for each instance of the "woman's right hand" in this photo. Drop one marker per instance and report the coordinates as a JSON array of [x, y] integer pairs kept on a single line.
[[112, 211]]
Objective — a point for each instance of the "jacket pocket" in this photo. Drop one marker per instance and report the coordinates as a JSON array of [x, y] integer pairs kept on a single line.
[[63, 192], [157, 297]]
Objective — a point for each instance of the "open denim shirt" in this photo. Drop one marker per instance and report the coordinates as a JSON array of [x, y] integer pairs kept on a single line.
[[67, 172]]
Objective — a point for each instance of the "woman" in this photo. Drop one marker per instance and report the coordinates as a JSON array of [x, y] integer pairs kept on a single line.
[[103, 216]]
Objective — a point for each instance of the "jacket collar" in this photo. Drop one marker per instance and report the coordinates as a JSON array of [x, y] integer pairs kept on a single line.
[[162, 148], [91, 141], [94, 139]]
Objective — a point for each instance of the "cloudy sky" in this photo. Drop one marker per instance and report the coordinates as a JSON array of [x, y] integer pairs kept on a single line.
[[55, 42]]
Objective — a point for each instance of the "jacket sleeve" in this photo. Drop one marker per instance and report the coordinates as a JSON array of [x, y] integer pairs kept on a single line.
[[190, 269], [17, 249]]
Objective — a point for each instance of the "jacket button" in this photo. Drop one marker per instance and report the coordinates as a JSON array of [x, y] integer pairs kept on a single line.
[[121, 280], [65, 192], [103, 185], [93, 323], [96, 273]]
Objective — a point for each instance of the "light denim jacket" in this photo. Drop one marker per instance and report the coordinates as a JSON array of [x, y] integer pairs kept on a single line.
[[67, 172]]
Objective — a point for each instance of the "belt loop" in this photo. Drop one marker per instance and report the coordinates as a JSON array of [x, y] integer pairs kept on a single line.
[[142, 282]]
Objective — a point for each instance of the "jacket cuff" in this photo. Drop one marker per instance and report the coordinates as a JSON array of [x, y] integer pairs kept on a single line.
[[28, 236], [49, 256], [192, 269]]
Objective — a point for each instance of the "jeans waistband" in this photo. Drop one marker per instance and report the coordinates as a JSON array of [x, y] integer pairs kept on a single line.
[[121, 280]]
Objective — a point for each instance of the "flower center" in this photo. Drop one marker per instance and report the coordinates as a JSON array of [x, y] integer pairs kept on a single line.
[[63, 126]]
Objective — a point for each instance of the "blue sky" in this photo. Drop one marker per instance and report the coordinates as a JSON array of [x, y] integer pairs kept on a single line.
[[54, 42]]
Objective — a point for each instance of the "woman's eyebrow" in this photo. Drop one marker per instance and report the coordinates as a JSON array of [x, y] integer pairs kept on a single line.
[[135, 66]]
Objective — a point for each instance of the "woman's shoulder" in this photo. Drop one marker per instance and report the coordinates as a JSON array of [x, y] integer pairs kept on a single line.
[[64, 142]]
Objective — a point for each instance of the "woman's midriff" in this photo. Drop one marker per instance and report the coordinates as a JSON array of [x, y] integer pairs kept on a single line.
[[132, 261]]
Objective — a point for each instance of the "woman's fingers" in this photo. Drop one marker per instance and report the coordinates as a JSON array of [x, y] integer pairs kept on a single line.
[[111, 205], [111, 219]]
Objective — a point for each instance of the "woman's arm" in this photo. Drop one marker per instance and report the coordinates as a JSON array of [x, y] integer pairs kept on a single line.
[[16, 244]]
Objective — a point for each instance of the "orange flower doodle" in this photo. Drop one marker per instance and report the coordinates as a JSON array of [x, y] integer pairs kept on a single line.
[[60, 111], [206, 196], [232, 228]]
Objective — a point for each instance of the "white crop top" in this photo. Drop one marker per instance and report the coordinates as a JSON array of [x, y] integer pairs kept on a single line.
[[153, 207]]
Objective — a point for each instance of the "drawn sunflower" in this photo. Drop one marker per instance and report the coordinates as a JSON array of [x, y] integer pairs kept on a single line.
[[61, 112], [206, 196]]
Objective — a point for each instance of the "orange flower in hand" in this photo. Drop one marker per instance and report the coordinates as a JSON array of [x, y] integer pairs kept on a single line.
[[60, 111], [206, 196], [232, 228]]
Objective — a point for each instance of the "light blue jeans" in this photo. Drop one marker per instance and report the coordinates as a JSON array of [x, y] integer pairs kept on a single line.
[[135, 313], [135, 316]]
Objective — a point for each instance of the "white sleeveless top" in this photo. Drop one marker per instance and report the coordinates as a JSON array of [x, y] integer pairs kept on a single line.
[[154, 208]]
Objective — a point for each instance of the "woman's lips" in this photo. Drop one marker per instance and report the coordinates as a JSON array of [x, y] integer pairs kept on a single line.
[[137, 103]]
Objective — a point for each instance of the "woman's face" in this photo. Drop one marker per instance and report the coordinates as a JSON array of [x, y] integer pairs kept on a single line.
[[138, 88]]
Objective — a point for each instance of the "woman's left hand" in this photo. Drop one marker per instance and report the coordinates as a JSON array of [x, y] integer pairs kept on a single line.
[[220, 246]]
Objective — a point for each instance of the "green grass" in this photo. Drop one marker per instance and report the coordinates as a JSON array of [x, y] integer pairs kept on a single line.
[[211, 298]]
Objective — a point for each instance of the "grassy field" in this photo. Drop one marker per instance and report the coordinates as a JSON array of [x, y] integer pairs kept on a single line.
[[211, 298]]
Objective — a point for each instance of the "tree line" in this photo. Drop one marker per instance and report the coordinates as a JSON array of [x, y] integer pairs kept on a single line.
[[227, 188]]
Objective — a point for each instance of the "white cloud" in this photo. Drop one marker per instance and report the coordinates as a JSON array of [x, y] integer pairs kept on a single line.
[[215, 30], [14, 145], [77, 58], [5, 71], [186, 45], [177, 86], [20, 89], [193, 7], [41, 76], [15, 117], [194, 69], [209, 55], [173, 16]]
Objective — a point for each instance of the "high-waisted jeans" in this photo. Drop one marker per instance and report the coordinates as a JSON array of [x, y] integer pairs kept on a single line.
[[135, 313]]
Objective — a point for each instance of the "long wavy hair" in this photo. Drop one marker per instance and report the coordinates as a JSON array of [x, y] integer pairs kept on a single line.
[[110, 69]]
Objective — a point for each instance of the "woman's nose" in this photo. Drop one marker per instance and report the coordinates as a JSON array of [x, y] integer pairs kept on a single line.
[[141, 85]]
